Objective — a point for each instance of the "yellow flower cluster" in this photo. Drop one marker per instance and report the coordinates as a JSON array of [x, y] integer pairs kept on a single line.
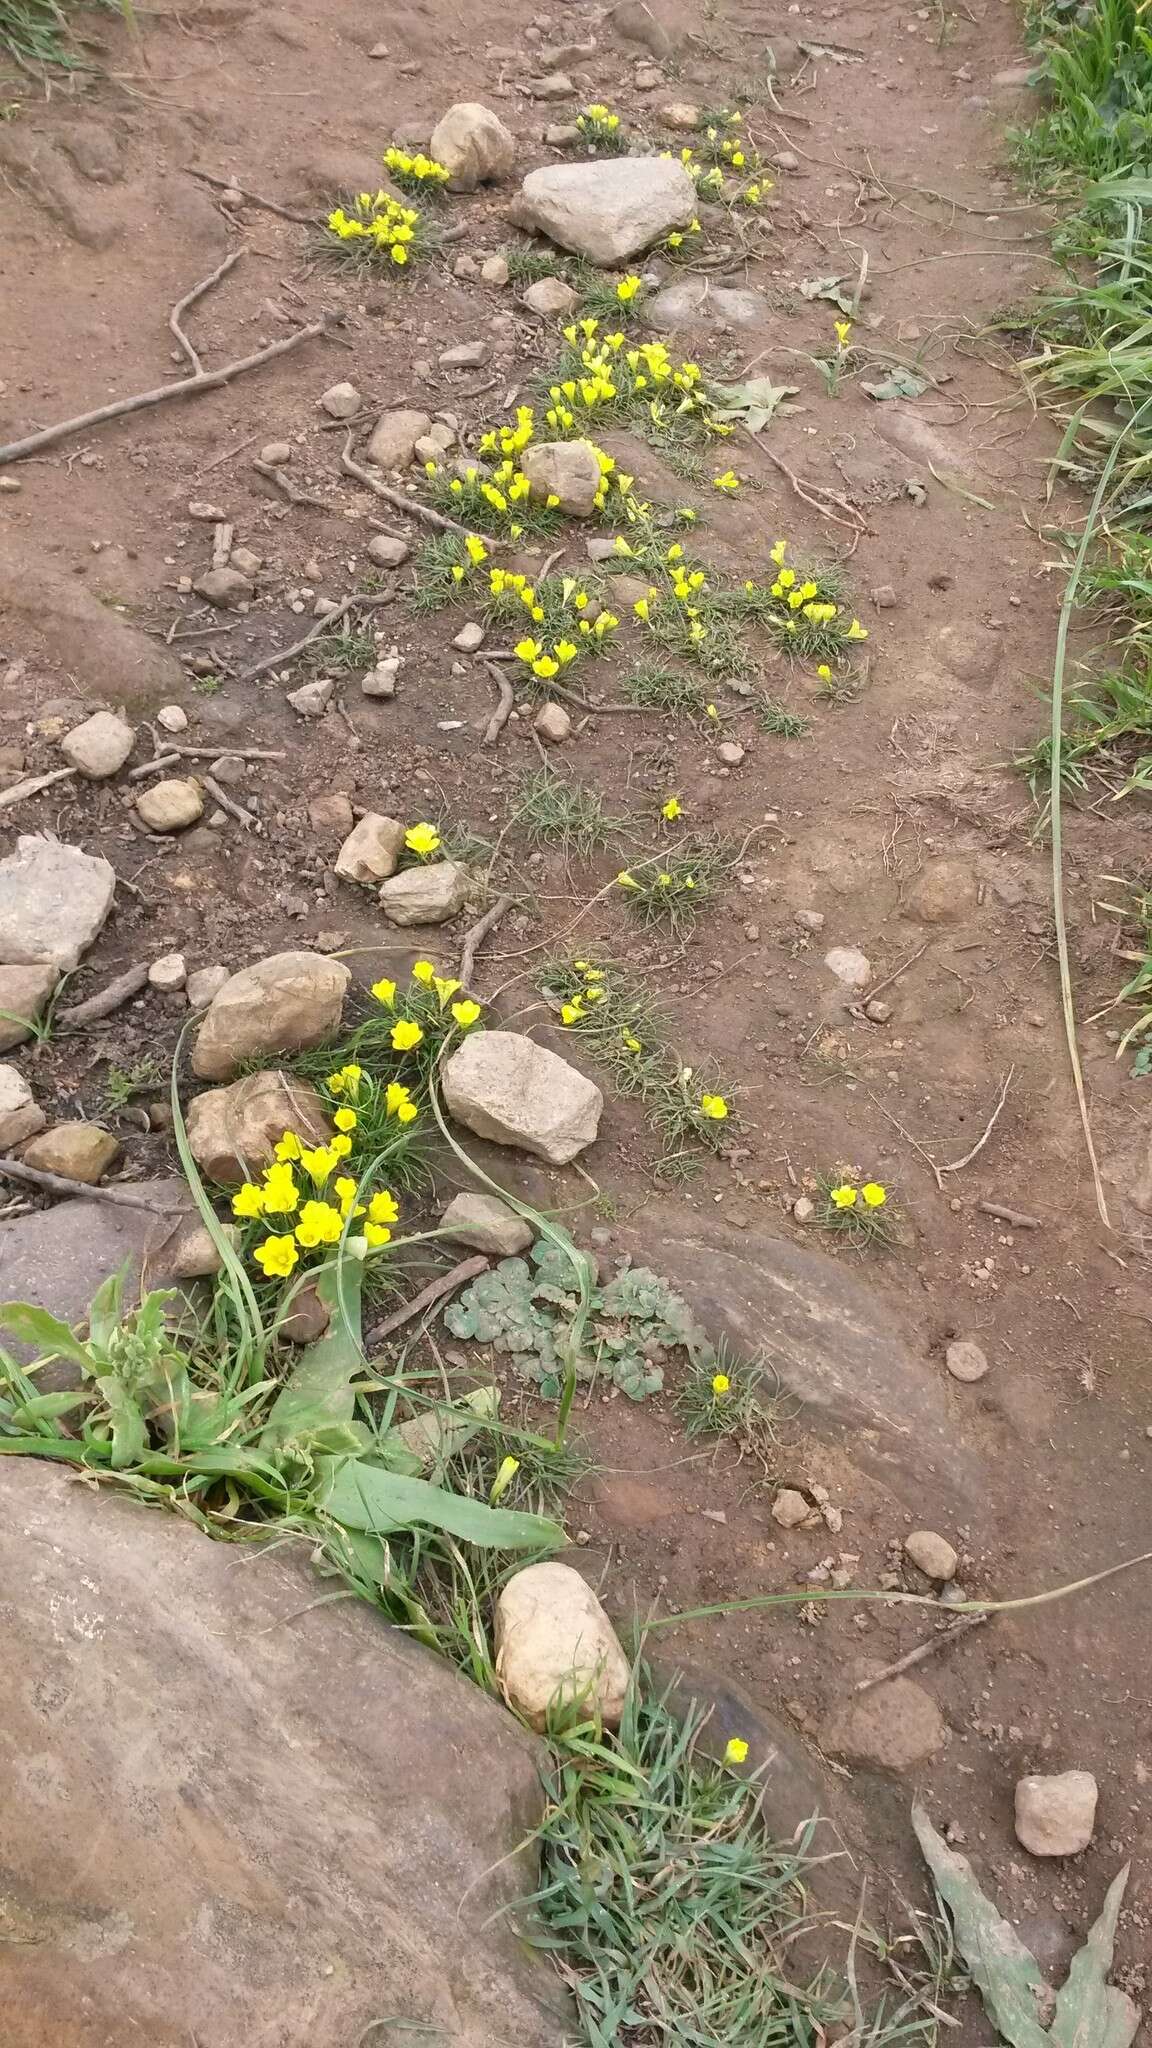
[[319, 1219], [378, 223], [597, 116], [476, 552], [407, 1034], [607, 376], [511, 440], [502, 492], [846, 1196], [510, 590], [799, 599], [574, 1011], [681, 584], [417, 173]]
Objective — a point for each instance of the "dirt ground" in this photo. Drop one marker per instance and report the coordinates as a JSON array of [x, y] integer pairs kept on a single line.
[[898, 816]]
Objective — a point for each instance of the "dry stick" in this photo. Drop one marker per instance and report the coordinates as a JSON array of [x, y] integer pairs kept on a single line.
[[208, 380], [152, 767], [813, 495], [477, 933], [32, 785], [896, 972], [229, 804], [283, 482], [988, 1128], [304, 220], [324, 625], [236, 753], [412, 506], [923, 1650], [190, 298], [446, 1283], [118, 992], [504, 708], [556, 689], [56, 1184], [1018, 1218]]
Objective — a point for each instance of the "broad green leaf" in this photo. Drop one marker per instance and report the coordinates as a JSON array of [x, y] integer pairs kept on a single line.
[[753, 403], [830, 288], [1089, 2012], [46, 1408], [364, 1496], [1136, 189], [1006, 1974], [318, 1390], [129, 1437], [899, 383], [33, 1325], [107, 1310]]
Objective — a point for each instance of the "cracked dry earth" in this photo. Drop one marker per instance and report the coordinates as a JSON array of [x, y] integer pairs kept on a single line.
[[896, 824]]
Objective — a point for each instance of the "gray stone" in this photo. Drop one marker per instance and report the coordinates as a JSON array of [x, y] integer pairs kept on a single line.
[[892, 1727], [20, 1115], [1056, 1816], [248, 564], [635, 22], [466, 267], [234, 1131], [555, 1645], [608, 210], [696, 303], [172, 717], [286, 1003], [227, 588], [850, 966], [566, 470], [562, 135], [487, 1224], [931, 1554], [791, 1509], [312, 699], [394, 437], [600, 548], [171, 804], [730, 752], [169, 973], [100, 746], [503, 1086], [330, 814], [811, 920], [557, 86], [341, 401], [77, 1151], [54, 899], [553, 724], [838, 1347], [24, 994], [469, 638], [428, 450], [494, 270], [473, 145], [465, 355], [388, 551], [246, 1811], [276, 453], [381, 680], [371, 850], [429, 894], [551, 298], [965, 1360], [680, 116], [204, 983]]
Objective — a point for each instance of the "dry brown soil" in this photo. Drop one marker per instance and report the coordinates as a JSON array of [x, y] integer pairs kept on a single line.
[[898, 817]]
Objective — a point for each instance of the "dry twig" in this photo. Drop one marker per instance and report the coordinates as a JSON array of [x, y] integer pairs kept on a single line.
[[229, 804], [190, 298], [445, 1283], [304, 220], [504, 708], [1018, 1218], [988, 1128], [287, 654], [477, 933], [107, 1000], [411, 506], [56, 1184], [32, 785], [921, 1652], [283, 482]]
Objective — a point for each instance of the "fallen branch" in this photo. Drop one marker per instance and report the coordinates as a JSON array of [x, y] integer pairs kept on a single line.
[[436, 1290], [152, 767], [503, 711], [108, 999], [32, 785], [477, 933], [411, 506], [190, 298], [229, 804], [871, 993], [921, 1652], [286, 654], [816, 496], [1018, 1218], [304, 220], [283, 482], [988, 1128], [206, 380], [56, 1184]]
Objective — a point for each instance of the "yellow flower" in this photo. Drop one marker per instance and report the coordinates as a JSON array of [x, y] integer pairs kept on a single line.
[[335, 1083], [276, 1257], [641, 608], [383, 1208], [843, 331], [319, 1224], [340, 1146], [345, 1191], [405, 1035], [466, 1014], [874, 1195], [545, 667], [714, 1106], [673, 241], [280, 1191], [384, 992], [856, 631], [593, 994], [288, 1147], [631, 1044], [844, 1197], [248, 1200], [671, 809], [407, 1112], [424, 971], [720, 1383], [376, 1234], [319, 1162], [711, 711], [345, 1119], [444, 988], [395, 1097], [824, 672], [627, 289], [626, 881], [509, 1467], [477, 552], [422, 840], [728, 482], [571, 1013], [736, 1751]]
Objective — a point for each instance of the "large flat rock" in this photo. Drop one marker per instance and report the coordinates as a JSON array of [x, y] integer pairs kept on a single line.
[[234, 1815]]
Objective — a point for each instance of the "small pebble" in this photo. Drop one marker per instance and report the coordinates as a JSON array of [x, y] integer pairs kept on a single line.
[[730, 752], [469, 638], [340, 401], [172, 717], [277, 453], [169, 973], [965, 1360], [931, 1554]]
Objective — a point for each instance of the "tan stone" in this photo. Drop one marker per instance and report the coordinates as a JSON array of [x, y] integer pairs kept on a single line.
[[24, 992], [287, 1003], [75, 1151], [233, 1132], [555, 1646]]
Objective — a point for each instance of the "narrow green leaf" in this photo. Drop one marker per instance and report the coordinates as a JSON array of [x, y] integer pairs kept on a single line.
[[1006, 1974], [32, 1325], [129, 1436], [107, 1310], [364, 1496], [1089, 2012], [46, 1408]]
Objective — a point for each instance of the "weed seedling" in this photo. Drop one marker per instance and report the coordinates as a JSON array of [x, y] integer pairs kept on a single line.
[[727, 1397], [860, 1213], [562, 814]]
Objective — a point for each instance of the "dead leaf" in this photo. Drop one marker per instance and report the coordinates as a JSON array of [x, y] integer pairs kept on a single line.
[[752, 404]]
